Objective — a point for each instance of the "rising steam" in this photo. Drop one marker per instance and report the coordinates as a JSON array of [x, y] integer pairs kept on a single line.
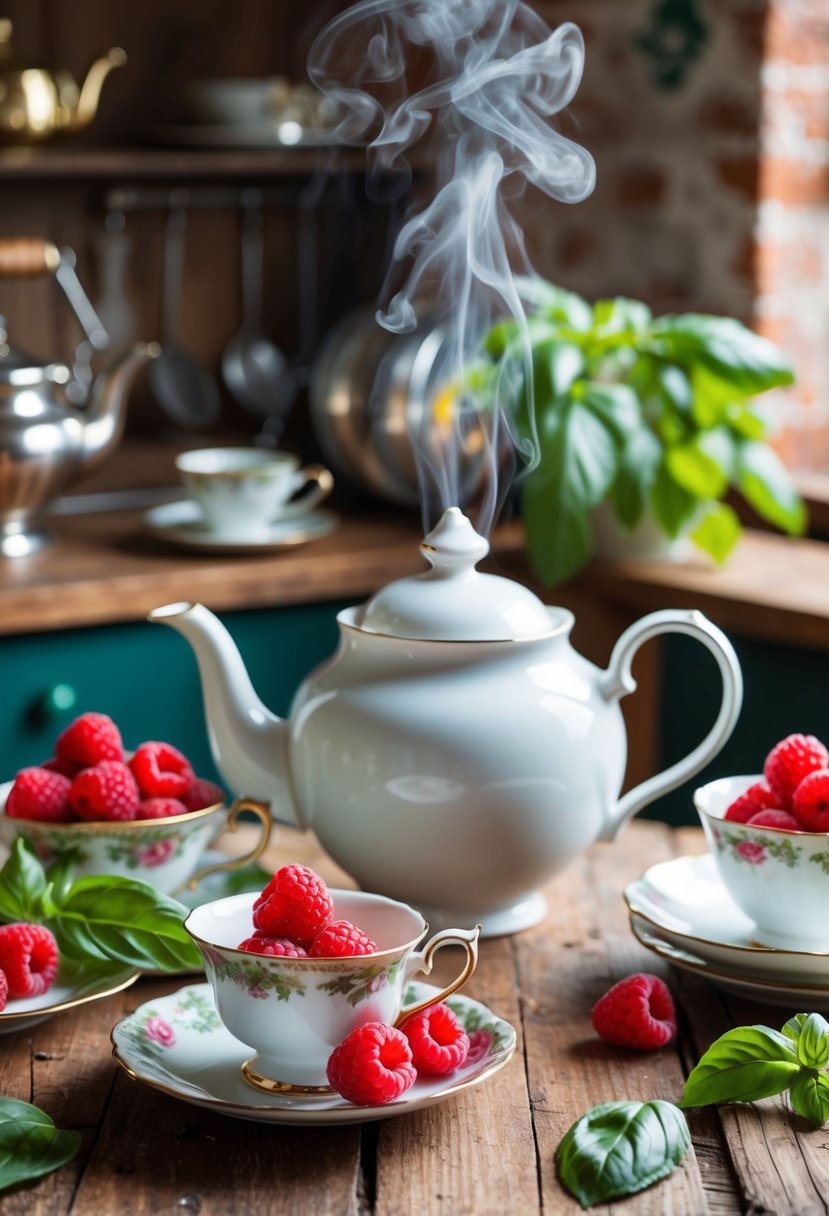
[[496, 76]]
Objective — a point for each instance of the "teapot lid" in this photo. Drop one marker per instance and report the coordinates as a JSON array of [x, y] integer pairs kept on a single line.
[[453, 601]]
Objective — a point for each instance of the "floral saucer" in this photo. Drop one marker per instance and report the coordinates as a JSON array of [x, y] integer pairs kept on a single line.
[[66, 992], [793, 995], [178, 1044], [684, 904]]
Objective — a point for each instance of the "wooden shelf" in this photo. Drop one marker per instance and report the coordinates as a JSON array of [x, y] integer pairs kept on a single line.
[[118, 164]]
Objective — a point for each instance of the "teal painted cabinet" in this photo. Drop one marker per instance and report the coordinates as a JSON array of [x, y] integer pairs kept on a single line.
[[146, 678]]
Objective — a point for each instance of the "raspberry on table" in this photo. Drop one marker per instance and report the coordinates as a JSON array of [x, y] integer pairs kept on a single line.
[[789, 761], [372, 1065], [438, 1042], [341, 939], [774, 818], [161, 770], [294, 904], [160, 808], [28, 958], [810, 803], [637, 1012], [106, 792], [758, 797], [88, 740], [203, 793], [40, 794], [4, 990], [275, 947]]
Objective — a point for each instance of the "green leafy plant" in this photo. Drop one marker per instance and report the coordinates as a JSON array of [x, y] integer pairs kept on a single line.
[[30, 1144], [752, 1062], [97, 921], [653, 415]]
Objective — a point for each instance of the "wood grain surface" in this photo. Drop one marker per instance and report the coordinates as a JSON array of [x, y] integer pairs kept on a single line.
[[484, 1153]]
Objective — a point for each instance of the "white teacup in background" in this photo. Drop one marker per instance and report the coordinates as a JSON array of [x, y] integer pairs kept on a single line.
[[243, 492], [779, 878], [294, 1011]]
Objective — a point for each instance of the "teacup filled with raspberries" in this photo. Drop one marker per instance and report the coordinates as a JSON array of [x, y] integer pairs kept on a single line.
[[314, 981], [769, 835], [142, 814]]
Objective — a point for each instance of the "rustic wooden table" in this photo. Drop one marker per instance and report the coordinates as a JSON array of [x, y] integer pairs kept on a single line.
[[490, 1150]]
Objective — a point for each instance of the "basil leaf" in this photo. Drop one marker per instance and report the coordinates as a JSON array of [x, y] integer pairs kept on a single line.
[[619, 1148], [30, 1144], [639, 461], [794, 1026], [813, 1041], [736, 354], [22, 884], [564, 307], [767, 486], [718, 531], [672, 505], [809, 1096], [620, 315], [696, 469], [124, 920], [744, 1064]]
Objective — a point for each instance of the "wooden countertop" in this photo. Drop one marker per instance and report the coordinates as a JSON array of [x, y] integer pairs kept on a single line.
[[489, 1150], [105, 569]]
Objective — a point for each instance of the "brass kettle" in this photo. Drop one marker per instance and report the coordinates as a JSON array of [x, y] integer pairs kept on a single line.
[[37, 104]]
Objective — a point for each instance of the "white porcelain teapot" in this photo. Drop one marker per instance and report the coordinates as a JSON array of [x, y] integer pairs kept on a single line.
[[455, 752]]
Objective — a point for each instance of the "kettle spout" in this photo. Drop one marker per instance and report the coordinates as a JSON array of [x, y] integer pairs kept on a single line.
[[82, 113], [249, 744], [104, 417]]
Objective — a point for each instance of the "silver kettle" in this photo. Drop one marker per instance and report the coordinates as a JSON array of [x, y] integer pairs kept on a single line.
[[56, 422]]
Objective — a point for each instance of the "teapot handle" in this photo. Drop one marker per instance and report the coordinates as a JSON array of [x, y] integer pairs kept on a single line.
[[617, 681]]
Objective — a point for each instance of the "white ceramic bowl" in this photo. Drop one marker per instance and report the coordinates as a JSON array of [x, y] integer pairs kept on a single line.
[[294, 1012], [162, 852], [780, 879]]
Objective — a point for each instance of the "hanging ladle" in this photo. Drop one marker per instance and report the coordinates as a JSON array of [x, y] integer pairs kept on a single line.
[[254, 369], [181, 384]]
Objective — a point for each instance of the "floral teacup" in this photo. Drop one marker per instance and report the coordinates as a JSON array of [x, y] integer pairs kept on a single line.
[[294, 1011], [163, 852], [779, 878]]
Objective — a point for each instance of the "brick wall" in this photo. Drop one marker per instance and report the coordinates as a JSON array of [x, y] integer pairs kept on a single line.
[[709, 122]]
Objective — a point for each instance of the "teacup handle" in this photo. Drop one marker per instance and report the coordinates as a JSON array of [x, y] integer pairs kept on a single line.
[[262, 812], [321, 484], [421, 962], [617, 681]]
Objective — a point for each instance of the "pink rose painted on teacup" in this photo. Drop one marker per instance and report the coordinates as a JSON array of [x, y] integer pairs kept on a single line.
[[156, 854], [750, 851], [157, 1030]]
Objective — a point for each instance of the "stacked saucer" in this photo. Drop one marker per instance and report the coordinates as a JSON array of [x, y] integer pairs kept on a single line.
[[681, 911]]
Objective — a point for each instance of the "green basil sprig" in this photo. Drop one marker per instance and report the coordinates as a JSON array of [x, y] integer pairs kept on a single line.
[[97, 920], [619, 1148], [753, 1062], [30, 1144]]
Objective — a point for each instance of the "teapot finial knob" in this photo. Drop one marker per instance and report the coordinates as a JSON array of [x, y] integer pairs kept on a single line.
[[453, 544]]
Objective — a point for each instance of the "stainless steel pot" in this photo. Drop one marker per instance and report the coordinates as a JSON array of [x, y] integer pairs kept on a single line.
[[371, 391]]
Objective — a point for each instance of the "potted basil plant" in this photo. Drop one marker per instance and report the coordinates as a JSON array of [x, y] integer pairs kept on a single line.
[[652, 419]]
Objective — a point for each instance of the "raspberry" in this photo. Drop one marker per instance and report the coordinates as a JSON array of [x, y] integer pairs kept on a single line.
[[4, 990], [161, 770], [637, 1012], [107, 791], [811, 802], [29, 958], [160, 808], [790, 760], [757, 797], [773, 818], [201, 794], [341, 939], [276, 947], [438, 1042], [40, 794], [87, 741], [295, 904], [372, 1065]]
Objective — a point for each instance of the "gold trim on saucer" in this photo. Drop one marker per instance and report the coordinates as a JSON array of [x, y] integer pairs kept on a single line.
[[270, 1085], [19, 1017]]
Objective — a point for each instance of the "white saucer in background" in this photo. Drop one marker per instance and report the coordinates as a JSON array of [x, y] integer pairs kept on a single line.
[[181, 523]]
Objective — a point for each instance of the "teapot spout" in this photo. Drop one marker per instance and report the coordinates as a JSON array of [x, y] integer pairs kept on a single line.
[[249, 744], [84, 111], [104, 417]]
